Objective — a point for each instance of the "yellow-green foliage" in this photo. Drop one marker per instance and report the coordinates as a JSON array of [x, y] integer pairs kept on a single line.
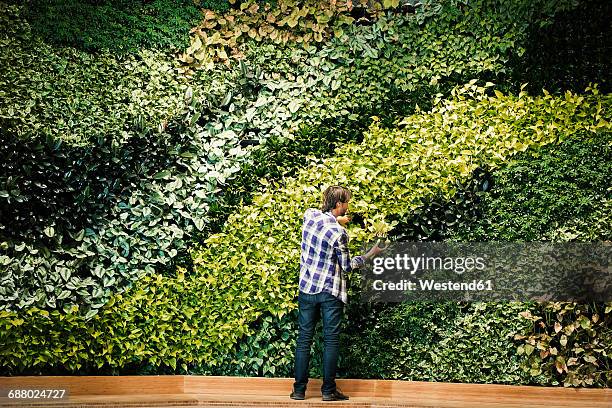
[[252, 266]]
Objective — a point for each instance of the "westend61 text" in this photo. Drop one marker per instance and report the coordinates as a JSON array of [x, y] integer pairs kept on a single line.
[[430, 284]]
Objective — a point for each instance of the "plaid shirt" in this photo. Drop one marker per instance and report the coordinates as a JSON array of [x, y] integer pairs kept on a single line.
[[325, 256]]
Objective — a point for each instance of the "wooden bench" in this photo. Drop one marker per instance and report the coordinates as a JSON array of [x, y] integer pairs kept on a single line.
[[203, 391]]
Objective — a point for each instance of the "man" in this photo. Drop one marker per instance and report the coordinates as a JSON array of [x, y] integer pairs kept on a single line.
[[324, 262]]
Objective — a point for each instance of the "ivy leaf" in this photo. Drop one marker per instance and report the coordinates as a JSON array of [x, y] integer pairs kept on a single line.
[[49, 231], [164, 174], [293, 106]]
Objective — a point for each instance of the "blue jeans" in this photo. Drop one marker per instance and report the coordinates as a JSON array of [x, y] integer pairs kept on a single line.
[[308, 312]]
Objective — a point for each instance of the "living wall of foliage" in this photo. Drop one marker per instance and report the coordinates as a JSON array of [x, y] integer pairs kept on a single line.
[[270, 204], [275, 93], [103, 174], [111, 179], [246, 270], [573, 46]]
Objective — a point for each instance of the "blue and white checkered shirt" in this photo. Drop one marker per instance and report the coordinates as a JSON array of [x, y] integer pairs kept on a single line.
[[325, 256]]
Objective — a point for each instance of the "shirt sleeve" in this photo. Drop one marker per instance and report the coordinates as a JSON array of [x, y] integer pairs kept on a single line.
[[344, 258]]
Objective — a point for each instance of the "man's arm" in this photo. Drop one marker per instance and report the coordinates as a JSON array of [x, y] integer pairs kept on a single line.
[[344, 258]]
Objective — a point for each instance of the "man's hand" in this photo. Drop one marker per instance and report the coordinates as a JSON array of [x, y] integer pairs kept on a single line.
[[343, 219]]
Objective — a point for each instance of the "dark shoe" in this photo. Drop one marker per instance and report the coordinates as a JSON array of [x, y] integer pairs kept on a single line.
[[297, 395], [335, 396]]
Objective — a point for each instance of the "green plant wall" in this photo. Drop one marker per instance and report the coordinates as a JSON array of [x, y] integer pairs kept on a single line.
[[246, 270], [122, 170]]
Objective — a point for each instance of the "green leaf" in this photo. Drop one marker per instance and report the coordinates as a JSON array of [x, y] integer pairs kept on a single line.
[[164, 174], [293, 106]]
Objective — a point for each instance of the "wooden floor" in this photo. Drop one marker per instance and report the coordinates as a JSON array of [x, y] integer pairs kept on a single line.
[[201, 391]]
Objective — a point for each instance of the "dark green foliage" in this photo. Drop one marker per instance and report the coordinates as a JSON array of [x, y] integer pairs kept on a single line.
[[571, 51], [450, 341], [216, 5], [44, 182], [117, 25], [377, 330], [70, 206], [432, 222], [544, 190]]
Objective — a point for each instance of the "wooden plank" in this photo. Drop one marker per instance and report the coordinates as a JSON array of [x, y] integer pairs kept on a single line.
[[400, 389], [212, 385]]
